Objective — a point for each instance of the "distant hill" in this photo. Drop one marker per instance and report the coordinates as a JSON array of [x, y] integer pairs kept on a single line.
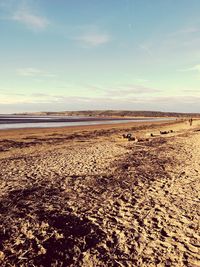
[[115, 113]]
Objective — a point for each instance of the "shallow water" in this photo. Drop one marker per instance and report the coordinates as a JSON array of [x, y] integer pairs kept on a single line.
[[9, 121]]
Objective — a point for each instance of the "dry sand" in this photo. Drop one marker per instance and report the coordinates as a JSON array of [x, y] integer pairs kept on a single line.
[[85, 196]]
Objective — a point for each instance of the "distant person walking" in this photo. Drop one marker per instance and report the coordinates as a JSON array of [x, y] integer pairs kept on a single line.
[[190, 121]]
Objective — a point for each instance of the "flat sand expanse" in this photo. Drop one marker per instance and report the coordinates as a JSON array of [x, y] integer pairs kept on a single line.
[[86, 196]]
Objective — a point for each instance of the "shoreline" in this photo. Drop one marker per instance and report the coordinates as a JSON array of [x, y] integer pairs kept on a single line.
[[9, 123], [79, 128]]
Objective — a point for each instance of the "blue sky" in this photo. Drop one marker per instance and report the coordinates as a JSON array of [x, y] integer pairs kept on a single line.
[[99, 54]]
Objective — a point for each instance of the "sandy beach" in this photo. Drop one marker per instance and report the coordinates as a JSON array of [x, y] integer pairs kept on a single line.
[[86, 196]]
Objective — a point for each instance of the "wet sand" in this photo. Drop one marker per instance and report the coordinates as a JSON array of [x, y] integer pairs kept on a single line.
[[86, 196]]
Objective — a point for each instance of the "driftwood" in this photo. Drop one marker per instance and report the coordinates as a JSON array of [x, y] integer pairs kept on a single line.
[[129, 135], [161, 132], [142, 139], [166, 132], [132, 138]]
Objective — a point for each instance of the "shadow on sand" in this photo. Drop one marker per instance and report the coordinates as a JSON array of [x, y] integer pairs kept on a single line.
[[35, 234]]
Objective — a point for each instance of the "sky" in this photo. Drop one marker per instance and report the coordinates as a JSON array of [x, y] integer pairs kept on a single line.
[[99, 54]]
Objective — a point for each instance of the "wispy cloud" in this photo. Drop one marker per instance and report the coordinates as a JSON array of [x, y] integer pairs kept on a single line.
[[190, 30], [88, 35], [33, 72], [130, 90], [192, 91], [186, 31], [30, 20], [194, 68], [174, 43], [23, 98], [93, 38], [22, 12], [140, 80], [147, 48], [176, 99]]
